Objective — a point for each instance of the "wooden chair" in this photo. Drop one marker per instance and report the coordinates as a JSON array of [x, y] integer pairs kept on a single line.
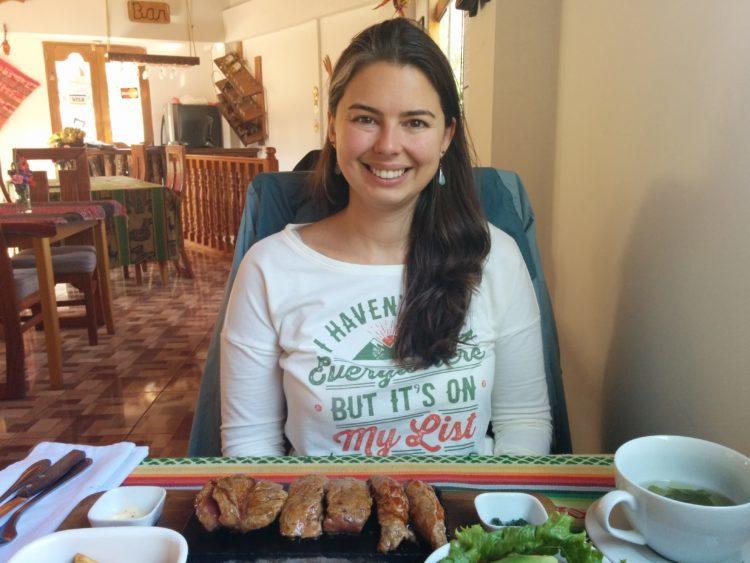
[[71, 187], [175, 157], [20, 292], [138, 161], [137, 167], [39, 192], [72, 264], [4, 190]]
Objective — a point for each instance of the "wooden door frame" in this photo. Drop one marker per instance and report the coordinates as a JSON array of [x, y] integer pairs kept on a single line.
[[95, 55]]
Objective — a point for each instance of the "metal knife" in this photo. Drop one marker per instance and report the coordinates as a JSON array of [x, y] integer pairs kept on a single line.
[[8, 532], [43, 479], [52, 474]]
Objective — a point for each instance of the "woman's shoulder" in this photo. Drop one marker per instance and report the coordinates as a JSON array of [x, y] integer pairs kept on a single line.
[[275, 242], [502, 246], [271, 249]]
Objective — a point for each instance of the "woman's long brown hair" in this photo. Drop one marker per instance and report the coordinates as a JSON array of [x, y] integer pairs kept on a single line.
[[449, 238]]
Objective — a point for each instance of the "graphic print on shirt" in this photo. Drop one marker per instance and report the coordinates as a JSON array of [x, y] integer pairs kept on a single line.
[[379, 408]]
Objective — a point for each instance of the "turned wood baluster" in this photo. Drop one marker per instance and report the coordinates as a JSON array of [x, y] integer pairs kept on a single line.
[[207, 204], [212, 193], [200, 215], [205, 210], [236, 210], [229, 191], [272, 163], [187, 199], [194, 205], [221, 186]]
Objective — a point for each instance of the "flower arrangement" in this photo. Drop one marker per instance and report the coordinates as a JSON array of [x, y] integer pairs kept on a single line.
[[21, 178], [68, 137]]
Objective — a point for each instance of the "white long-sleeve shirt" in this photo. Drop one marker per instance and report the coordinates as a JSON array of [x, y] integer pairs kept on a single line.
[[306, 353]]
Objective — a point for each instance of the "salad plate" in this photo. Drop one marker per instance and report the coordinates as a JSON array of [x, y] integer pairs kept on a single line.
[[442, 552]]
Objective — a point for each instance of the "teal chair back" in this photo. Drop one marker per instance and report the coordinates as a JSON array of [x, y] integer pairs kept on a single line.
[[276, 199]]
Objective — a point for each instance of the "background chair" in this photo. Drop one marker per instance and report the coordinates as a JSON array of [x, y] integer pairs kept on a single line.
[[3, 189], [175, 181], [276, 199], [71, 264], [138, 161], [20, 292]]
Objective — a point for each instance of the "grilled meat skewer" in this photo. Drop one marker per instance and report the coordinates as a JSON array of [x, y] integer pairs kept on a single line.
[[302, 515], [426, 513], [393, 512], [348, 505]]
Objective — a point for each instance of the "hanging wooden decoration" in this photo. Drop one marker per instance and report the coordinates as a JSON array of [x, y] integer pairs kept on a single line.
[[471, 6], [399, 5], [6, 45], [241, 97], [15, 86]]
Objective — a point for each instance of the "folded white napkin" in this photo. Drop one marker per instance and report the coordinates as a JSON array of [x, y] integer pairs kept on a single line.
[[111, 465]]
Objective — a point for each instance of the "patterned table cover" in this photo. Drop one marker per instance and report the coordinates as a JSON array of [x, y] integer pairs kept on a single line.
[[151, 232], [62, 212], [572, 482]]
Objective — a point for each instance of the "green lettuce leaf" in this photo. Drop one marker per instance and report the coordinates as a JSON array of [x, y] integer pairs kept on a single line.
[[474, 545]]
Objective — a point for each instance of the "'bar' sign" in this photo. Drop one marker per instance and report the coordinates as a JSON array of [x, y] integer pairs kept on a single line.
[[148, 12]]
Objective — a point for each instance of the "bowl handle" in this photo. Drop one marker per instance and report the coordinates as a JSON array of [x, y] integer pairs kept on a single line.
[[606, 504]]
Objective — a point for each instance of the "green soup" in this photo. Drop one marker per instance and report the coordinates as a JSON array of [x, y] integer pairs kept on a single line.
[[689, 493]]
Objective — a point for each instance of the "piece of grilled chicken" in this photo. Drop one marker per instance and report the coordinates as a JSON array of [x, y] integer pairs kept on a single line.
[[426, 513], [206, 508], [302, 515], [239, 503], [393, 512], [348, 506]]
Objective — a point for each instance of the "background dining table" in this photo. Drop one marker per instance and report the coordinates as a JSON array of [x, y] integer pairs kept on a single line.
[[66, 219], [152, 230]]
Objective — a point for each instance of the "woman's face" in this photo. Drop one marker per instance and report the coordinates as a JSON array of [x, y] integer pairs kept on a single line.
[[389, 132]]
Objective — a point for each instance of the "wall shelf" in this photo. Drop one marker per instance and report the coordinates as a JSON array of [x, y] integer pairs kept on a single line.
[[241, 98]]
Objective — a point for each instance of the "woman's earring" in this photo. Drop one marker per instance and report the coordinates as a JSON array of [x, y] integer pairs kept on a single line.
[[441, 176], [336, 169]]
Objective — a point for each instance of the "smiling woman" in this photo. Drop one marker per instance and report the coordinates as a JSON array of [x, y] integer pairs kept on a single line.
[[304, 364]]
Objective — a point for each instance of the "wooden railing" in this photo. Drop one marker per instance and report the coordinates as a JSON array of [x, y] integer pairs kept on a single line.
[[214, 194], [117, 161]]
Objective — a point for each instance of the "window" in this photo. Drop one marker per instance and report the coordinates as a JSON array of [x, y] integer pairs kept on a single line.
[[451, 40], [110, 101]]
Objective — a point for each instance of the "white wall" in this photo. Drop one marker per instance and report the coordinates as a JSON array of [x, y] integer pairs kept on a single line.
[[259, 17], [30, 124], [290, 71], [479, 72], [650, 232], [88, 17], [292, 67], [524, 93]]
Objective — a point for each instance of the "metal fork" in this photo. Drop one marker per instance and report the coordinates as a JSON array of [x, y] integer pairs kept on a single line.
[[29, 473], [8, 532]]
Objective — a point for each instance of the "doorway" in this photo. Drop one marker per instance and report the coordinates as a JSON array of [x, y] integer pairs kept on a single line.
[[110, 101]]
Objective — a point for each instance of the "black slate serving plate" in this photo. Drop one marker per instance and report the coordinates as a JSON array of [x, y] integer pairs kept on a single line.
[[268, 545]]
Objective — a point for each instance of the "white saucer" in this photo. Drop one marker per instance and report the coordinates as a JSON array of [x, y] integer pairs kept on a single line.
[[612, 547]]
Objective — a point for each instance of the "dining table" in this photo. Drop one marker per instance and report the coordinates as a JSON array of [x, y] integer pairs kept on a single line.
[[152, 230], [567, 483], [62, 219]]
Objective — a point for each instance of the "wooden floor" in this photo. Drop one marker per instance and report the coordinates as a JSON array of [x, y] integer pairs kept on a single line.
[[139, 385]]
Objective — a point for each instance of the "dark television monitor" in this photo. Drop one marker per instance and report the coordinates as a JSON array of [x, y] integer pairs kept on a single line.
[[197, 125]]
